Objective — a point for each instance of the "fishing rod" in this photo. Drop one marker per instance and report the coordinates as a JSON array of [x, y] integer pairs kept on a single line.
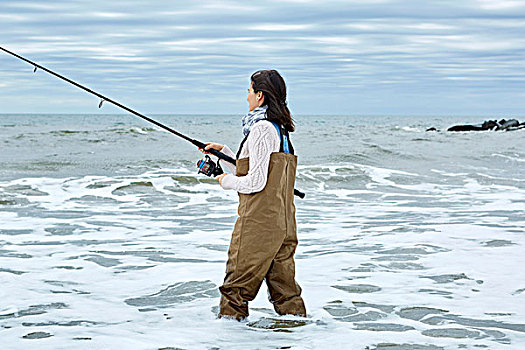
[[206, 166]]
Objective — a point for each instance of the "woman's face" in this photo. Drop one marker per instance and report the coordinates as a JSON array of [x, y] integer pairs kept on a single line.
[[255, 99]]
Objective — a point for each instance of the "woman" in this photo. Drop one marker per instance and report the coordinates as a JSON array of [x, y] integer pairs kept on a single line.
[[264, 238]]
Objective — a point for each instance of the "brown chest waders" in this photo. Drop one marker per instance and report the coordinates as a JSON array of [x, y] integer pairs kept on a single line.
[[263, 242]]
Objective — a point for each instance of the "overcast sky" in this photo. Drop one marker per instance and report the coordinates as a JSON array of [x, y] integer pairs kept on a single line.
[[447, 57]]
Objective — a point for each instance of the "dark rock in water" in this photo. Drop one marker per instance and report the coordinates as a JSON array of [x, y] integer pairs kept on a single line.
[[490, 125], [432, 129], [465, 128], [502, 125], [520, 126], [509, 124]]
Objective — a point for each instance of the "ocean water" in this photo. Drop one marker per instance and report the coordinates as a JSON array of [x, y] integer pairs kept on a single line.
[[408, 239]]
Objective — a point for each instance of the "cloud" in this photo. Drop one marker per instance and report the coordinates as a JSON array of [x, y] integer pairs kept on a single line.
[[108, 14], [500, 4], [13, 18], [281, 27], [173, 52]]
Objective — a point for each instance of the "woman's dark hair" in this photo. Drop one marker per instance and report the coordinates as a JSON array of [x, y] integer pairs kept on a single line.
[[273, 88]]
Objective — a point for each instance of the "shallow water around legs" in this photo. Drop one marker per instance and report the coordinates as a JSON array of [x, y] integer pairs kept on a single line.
[[408, 239]]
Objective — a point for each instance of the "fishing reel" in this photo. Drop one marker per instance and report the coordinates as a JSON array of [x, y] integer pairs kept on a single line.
[[208, 167]]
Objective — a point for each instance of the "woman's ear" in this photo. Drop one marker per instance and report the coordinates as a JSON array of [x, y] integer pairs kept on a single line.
[[259, 95]]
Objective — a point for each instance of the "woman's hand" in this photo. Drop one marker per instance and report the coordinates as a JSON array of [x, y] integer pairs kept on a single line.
[[220, 177], [218, 147], [212, 145]]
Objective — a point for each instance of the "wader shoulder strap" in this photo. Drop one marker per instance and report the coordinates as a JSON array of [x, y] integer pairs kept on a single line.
[[240, 147], [286, 145]]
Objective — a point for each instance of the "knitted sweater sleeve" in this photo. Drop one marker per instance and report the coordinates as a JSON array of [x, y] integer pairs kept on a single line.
[[262, 141], [227, 151]]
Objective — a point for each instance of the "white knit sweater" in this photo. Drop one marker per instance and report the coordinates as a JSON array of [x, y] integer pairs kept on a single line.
[[262, 141]]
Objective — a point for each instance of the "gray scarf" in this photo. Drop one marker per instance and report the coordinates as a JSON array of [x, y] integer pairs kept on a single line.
[[253, 117]]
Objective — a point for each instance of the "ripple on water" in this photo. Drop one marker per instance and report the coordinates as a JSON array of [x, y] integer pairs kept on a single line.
[[161, 200], [205, 224], [66, 287], [396, 258], [338, 309], [363, 267], [13, 202], [421, 249], [215, 247], [101, 184], [180, 292], [406, 346], [518, 291], [448, 278], [417, 313], [68, 267], [277, 324], [381, 307], [345, 313], [25, 190], [135, 267], [358, 288], [382, 327], [452, 333], [498, 243], [139, 187], [148, 253], [14, 272], [95, 200], [366, 316], [471, 322], [64, 229], [403, 266], [37, 335], [34, 310], [57, 214], [11, 254], [444, 293], [62, 324], [80, 242], [103, 261], [16, 232]]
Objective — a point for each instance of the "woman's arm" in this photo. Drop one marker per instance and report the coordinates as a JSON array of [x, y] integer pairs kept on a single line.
[[226, 150], [261, 143]]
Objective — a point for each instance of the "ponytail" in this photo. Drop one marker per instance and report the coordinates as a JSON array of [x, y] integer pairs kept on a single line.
[[273, 88]]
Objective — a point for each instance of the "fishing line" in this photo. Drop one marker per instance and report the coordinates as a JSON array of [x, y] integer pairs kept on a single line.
[[103, 99]]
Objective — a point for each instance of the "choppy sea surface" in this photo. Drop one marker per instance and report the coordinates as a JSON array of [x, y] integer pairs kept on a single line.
[[408, 239]]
